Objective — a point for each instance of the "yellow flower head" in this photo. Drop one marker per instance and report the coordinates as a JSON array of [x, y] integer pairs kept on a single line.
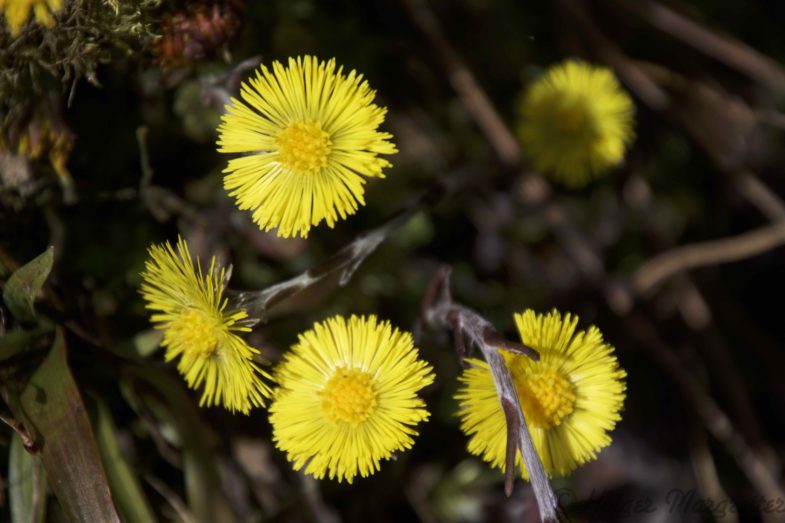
[[191, 310], [571, 397], [309, 135], [17, 12], [348, 397], [576, 122]]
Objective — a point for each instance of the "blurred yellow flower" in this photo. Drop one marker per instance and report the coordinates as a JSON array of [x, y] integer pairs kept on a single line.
[[576, 122], [571, 397], [309, 137], [17, 12], [348, 397], [191, 310]]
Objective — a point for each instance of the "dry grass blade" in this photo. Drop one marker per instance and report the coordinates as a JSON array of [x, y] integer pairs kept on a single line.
[[703, 254]]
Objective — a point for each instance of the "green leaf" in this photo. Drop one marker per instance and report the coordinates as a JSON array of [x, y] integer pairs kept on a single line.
[[26, 484], [20, 340], [23, 285], [125, 485], [54, 412], [15, 342]]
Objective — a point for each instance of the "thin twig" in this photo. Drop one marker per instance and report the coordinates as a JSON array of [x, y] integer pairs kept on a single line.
[[707, 479], [159, 201], [715, 420], [761, 196], [172, 498], [575, 243], [441, 311], [462, 80], [17, 426], [629, 70], [707, 253], [721, 363], [216, 91], [724, 48], [345, 262]]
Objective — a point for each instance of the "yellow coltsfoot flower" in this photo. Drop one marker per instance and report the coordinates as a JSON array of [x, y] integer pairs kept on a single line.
[[348, 397], [571, 397], [309, 135], [17, 12], [576, 122], [190, 308]]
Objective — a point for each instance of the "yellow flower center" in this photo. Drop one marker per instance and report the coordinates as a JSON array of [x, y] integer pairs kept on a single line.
[[547, 397], [348, 396], [195, 331], [304, 146], [570, 117]]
